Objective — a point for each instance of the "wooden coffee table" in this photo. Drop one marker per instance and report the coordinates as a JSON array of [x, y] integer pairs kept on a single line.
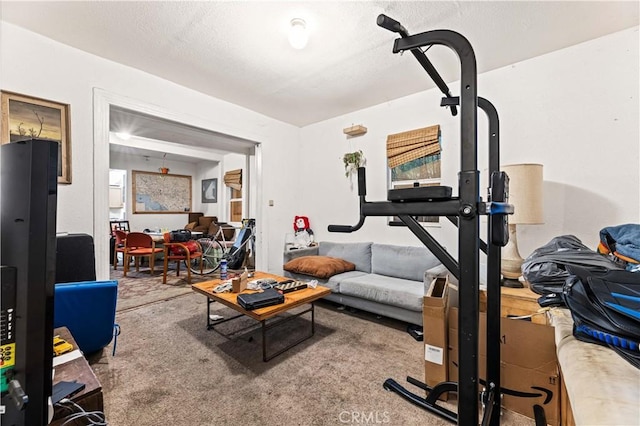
[[291, 300]]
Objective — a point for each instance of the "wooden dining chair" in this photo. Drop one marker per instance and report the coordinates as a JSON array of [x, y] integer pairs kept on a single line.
[[137, 245], [180, 252], [118, 247]]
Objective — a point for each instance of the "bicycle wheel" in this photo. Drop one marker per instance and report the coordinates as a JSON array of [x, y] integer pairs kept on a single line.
[[212, 252]]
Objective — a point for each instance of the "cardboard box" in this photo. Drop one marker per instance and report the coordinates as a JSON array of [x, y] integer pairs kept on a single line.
[[528, 364], [435, 324], [238, 284], [516, 302]]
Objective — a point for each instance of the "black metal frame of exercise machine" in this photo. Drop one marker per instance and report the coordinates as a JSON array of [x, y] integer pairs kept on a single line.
[[492, 250], [464, 211]]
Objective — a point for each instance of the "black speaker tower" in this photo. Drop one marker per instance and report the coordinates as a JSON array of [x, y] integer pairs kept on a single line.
[[29, 175]]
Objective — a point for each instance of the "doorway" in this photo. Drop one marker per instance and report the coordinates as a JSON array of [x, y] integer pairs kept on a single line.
[[117, 194], [105, 103]]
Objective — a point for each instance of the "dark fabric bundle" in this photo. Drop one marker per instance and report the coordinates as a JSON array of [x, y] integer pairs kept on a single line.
[[606, 309], [546, 268], [180, 236]]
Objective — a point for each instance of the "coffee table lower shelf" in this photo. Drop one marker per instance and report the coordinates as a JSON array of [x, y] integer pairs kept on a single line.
[[295, 299], [265, 327]]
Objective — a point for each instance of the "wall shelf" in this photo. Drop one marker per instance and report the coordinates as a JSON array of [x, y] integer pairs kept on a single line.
[[355, 130]]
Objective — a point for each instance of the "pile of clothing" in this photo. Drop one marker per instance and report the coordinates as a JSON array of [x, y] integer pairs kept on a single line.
[[622, 244], [601, 289]]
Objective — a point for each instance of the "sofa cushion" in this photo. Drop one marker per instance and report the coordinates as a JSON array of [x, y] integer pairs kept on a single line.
[[332, 283], [319, 266], [356, 253], [402, 262], [398, 292], [205, 221]]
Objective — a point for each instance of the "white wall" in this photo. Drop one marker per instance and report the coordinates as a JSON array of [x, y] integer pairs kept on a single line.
[[574, 110], [580, 118], [58, 72], [207, 170]]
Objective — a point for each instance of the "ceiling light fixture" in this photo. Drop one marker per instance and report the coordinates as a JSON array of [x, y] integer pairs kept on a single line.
[[298, 36]]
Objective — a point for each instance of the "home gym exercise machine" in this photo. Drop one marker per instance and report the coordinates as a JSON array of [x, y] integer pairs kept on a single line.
[[464, 211]]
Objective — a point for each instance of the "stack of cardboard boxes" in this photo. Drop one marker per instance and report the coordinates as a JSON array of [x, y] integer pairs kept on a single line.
[[529, 368]]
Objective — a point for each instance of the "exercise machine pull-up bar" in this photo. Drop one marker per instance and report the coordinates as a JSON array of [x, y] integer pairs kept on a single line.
[[395, 26], [464, 210]]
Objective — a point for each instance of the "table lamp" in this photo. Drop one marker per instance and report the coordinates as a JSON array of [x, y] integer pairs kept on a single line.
[[525, 194]]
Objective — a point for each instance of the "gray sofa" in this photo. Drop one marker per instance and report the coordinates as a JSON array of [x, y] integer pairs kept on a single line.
[[388, 280]]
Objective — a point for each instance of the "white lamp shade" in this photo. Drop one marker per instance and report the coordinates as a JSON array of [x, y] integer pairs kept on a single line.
[[525, 193]]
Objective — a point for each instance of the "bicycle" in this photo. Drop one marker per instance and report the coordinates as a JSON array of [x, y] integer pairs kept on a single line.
[[216, 247]]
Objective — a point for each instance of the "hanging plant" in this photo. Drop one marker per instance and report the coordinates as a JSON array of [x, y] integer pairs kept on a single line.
[[353, 160], [164, 170]]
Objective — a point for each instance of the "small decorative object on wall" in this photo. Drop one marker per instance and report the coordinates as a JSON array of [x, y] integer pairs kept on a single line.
[[353, 160], [25, 117], [210, 190], [356, 130], [160, 193]]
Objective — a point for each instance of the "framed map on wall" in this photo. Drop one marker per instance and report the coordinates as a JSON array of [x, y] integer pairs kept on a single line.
[[160, 193]]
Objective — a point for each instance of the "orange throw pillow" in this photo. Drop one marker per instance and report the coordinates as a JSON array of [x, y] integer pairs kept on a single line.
[[319, 266]]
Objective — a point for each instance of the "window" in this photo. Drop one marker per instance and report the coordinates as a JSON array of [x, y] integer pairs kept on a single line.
[[233, 179], [414, 157], [235, 204]]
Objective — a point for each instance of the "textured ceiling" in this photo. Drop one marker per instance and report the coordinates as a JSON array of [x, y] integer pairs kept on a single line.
[[151, 127], [238, 51]]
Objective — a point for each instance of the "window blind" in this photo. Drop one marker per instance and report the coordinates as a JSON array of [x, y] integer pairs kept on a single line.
[[233, 179], [413, 144]]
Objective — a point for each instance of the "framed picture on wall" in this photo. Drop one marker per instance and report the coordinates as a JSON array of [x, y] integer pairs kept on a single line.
[[160, 192], [210, 190], [25, 117]]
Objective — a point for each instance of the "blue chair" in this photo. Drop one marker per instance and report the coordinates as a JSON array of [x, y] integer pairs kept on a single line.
[[88, 310]]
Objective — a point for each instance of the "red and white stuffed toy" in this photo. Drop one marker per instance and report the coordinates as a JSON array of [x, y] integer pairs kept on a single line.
[[303, 233]]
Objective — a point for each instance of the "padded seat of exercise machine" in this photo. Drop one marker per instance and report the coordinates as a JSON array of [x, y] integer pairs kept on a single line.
[[420, 193]]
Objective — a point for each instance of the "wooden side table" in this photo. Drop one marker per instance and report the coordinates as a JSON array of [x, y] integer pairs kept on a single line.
[[517, 302], [78, 369]]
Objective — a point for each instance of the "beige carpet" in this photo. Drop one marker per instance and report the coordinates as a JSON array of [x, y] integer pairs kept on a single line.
[[170, 370], [140, 288]]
